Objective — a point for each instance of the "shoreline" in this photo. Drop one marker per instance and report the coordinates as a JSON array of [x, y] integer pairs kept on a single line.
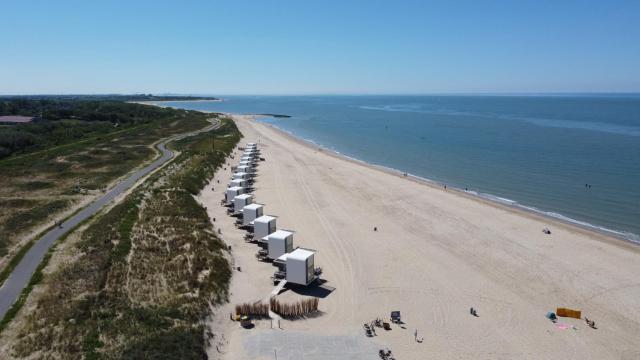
[[433, 253], [490, 199], [158, 103], [618, 236]]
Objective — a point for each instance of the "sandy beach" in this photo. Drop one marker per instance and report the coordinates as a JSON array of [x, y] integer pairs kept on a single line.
[[435, 254]]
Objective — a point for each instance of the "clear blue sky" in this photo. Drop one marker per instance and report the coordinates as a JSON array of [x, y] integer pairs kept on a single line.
[[299, 46]]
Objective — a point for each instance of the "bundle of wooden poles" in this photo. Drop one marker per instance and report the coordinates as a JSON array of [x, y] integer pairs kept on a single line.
[[253, 309], [297, 309]]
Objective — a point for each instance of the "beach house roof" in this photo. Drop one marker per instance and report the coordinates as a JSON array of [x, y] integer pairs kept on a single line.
[[281, 234], [253, 206], [265, 218], [301, 254]]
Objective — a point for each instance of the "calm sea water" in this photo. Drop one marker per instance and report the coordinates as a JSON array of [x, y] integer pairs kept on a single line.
[[538, 152]]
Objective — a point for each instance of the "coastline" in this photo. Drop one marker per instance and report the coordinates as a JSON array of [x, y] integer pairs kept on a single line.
[[159, 103], [610, 235], [434, 254]]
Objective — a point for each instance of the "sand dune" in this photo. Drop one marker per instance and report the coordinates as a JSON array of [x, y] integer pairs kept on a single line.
[[436, 253]]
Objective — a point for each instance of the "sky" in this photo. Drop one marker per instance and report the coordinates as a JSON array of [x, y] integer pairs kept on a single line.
[[319, 47]]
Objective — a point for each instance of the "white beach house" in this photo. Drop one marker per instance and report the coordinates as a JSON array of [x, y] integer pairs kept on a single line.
[[251, 212], [245, 169], [248, 158], [263, 226], [232, 192], [299, 267], [240, 201], [279, 243], [250, 153], [238, 182], [240, 175], [252, 147]]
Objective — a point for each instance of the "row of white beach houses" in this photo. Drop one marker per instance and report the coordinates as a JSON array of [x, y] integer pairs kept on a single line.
[[295, 266]]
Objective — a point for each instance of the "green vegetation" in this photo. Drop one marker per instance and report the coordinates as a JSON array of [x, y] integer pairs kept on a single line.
[[23, 219], [32, 105], [51, 165], [143, 273], [60, 122]]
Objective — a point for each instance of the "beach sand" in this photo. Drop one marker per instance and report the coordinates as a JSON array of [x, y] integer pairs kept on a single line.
[[436, 253]]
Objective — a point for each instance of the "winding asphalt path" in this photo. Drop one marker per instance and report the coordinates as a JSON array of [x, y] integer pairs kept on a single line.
[[19, 278]]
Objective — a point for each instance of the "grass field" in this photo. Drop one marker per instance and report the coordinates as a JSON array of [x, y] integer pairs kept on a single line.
[[143, 273], [41, 184]]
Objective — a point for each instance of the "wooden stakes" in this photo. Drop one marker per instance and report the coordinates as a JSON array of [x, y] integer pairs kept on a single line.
[[288, 310]]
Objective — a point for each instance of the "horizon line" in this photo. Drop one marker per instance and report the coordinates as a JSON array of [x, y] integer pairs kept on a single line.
[[446, 93]]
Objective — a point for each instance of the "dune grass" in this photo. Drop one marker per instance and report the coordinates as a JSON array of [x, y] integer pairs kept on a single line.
[[144, 273]]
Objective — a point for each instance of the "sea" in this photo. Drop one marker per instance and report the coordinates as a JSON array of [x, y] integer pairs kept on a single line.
[[571, 157]]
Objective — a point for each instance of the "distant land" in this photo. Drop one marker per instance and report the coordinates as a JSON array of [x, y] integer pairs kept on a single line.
[[110, 97], [39, 106]]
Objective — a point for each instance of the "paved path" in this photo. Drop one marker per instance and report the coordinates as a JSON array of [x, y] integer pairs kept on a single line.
[[19, 278]]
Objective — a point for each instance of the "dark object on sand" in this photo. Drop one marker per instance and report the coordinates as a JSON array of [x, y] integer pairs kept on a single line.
[[546, 231], [395, 317], [473, 312], [386, 326], [367, 330], [375, 228], [552, 316], [245, 322], [386, 355]]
